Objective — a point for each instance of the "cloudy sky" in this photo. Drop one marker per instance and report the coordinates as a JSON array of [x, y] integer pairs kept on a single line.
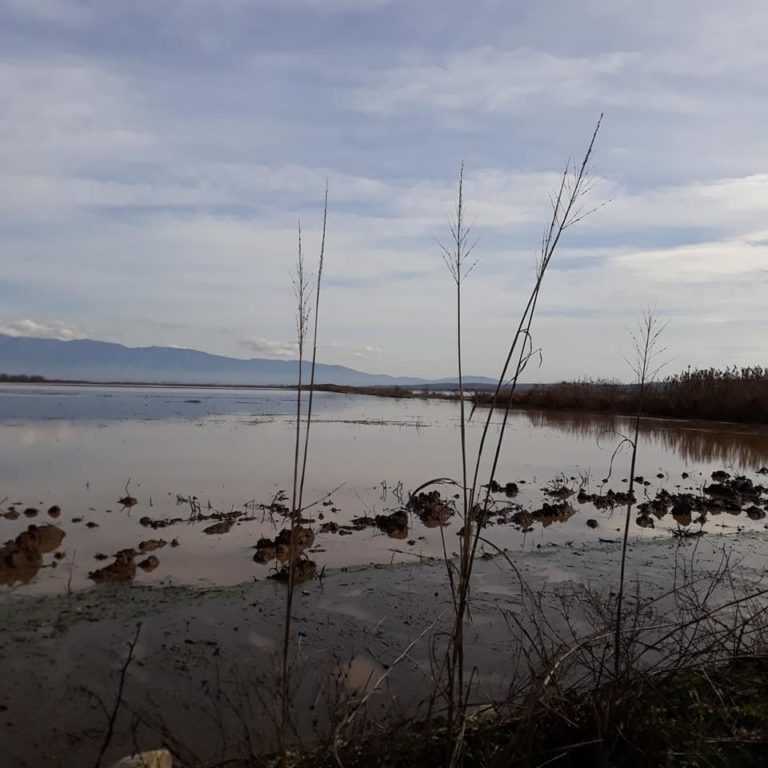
[[157, 157]]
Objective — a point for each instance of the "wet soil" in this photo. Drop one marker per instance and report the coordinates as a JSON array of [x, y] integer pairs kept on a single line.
[[61, 655]]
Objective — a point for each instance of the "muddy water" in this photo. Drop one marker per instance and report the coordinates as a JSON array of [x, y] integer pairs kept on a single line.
[[82, 449]]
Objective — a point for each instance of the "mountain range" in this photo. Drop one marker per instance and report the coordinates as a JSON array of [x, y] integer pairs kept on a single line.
[[102, 361]]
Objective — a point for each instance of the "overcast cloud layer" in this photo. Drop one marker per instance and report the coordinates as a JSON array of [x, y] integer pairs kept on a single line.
[[157, 157]]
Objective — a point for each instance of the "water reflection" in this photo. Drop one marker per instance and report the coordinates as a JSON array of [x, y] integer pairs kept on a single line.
[[228, 455], [697, 442]]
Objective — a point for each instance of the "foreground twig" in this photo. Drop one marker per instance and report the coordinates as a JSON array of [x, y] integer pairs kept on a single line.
[[118, 697]]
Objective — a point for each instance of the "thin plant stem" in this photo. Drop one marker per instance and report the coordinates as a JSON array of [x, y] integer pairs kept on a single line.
[[456, 260], [566, 212], [644, 342], [314, 350], [301, 287]]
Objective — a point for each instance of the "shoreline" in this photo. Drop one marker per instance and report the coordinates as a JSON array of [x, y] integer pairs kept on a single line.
[[478, 396]]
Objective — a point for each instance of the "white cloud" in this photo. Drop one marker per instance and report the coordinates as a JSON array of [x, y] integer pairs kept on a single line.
[[65, 113], [526, 79], [283, 350], [356, 352], [487, 79], [709, 262], [55, 330]]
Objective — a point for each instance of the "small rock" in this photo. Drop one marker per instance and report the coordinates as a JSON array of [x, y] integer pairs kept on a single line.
[[54, 511], [592, 523]]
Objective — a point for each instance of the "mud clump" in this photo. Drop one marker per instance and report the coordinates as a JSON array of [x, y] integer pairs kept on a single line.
[[22, 558], [510, 489], [128, 501], [148, 522], [284, 546], [31, 512], [561, 492], [523, 519], [304, 569], [734, 491], [682, 511], [150, 545], [54, 511], [122, 569], [45, 538], [394, 525], [218, 528], [361, 523], [149, 564], [609, 500], [430, 509], [330, 527], [553, 513]]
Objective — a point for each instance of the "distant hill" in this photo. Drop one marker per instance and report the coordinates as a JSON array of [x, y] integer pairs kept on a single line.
[[102, 361]]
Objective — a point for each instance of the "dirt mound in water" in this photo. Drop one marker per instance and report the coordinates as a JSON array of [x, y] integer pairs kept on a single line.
[[431, 509], [22, 558]]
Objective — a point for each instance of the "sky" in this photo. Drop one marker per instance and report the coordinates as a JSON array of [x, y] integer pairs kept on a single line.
[[157, 158]]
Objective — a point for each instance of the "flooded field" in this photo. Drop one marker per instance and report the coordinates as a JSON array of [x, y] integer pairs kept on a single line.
[[182, 494], [202, 475]]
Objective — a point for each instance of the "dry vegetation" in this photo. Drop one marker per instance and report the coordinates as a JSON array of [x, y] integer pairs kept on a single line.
[[733, 394]]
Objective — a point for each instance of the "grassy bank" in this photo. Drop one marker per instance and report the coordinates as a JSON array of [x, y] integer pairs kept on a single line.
[[697, 716]]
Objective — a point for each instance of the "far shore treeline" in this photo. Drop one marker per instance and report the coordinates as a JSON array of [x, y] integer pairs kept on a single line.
[[732, 394]]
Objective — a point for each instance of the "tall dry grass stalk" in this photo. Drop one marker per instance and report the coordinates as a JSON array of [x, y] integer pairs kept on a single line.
[[645, 367], [302, 292], [567, 209], [457, 258]]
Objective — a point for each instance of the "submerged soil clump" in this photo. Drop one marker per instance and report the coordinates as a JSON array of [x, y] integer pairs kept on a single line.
[[22, 558], [431, 509]]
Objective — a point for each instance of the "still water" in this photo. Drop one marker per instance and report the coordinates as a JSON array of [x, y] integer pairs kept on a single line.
[[84, 448]]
